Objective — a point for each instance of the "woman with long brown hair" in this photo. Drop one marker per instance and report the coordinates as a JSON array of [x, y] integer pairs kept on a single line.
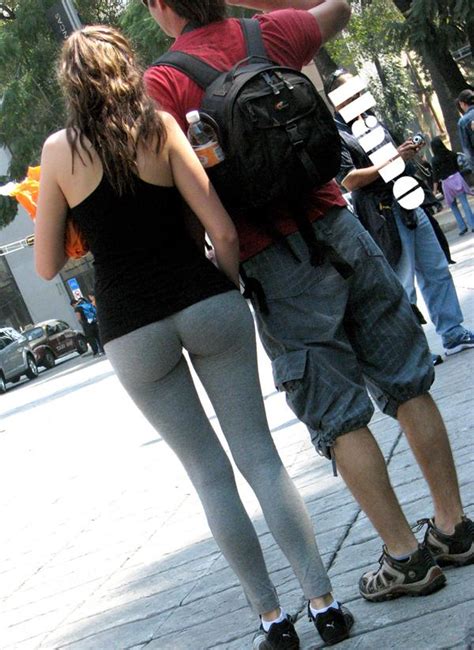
[[120, 169]]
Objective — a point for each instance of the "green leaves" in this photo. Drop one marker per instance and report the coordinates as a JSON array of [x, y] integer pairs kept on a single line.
[[369, 38], [32, 105], [147, 38]]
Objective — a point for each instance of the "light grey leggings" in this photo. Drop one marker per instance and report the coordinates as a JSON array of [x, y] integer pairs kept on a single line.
[[219, 335]]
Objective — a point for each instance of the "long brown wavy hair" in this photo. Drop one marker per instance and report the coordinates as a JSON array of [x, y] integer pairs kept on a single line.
[[107, 102]]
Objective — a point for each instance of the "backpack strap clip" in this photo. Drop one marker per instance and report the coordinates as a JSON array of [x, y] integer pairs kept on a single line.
[[294, 136], [297, 142]]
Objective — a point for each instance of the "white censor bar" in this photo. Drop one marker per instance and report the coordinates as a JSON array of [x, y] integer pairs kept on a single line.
[[370, 135], [64, 19]]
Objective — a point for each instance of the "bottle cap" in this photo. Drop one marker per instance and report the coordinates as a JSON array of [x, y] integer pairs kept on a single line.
[[192, 117]]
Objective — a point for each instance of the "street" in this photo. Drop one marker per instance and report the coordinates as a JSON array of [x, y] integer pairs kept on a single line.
[[105, 547]]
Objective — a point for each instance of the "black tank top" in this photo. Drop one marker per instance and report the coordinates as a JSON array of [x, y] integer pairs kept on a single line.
[[147, 266]]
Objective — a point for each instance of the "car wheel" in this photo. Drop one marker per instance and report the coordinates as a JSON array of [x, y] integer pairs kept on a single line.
[[81, 345], [3, 387], [32, 371], [49, 359]]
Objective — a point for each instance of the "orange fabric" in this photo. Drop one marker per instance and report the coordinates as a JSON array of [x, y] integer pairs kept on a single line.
[[26, 193], [74, 244]]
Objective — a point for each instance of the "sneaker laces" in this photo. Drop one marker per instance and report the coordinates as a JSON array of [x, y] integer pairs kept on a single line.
[[420, 523]]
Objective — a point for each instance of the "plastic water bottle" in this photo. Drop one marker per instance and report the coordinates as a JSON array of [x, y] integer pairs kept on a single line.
[[204, 140]]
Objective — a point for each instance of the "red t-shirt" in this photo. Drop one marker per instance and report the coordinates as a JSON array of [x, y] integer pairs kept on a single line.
[[291, 38]]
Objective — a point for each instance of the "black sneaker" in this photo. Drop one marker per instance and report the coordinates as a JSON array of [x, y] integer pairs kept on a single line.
[[333, 625], [453, 550], [419, 575], [280, 636]]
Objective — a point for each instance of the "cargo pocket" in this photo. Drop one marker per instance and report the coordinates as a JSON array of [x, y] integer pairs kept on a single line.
[[289, 369]]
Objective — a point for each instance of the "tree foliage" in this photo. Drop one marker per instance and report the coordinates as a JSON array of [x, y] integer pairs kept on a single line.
[[436, 23], [32, 105], [367, 39]]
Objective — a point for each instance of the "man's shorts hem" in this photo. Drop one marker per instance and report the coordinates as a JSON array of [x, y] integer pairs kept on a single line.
[[324, 441]]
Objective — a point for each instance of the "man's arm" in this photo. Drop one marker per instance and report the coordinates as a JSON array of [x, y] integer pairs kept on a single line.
[[332, 15], [462, 137], [361, 177]]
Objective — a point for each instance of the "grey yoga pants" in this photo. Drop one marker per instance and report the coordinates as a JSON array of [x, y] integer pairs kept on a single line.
[[219, 335]]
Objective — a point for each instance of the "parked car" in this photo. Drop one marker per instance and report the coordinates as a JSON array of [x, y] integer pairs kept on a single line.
[[16, 358], [52, 339]]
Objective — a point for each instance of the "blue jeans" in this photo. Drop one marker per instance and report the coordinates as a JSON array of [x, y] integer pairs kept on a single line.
[[467, 212], [422, 255]]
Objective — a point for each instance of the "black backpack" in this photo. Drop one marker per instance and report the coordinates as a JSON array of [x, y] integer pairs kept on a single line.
[[278, 135]]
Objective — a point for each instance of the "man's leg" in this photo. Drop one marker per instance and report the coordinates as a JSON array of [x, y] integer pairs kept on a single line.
[[321, 331], [435, 281], [428, 438], [362, 466], [459, 219], [91, 339], [467, 210]]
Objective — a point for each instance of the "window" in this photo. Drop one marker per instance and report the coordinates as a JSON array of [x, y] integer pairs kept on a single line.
[[35, 333], [5, 341]]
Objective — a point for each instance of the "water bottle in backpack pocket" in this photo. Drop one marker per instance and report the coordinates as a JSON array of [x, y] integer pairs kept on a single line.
[[204, 140]]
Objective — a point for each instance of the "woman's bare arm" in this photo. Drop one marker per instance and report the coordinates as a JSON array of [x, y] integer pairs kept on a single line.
[[52, 210], [194, 185]]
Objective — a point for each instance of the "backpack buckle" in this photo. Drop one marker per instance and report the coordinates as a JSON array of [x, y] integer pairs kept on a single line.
[[287, 83], [294, 135], [270, 82]]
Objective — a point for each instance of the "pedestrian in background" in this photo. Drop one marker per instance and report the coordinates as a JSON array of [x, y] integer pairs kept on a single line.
[[465, 104], [86, 314], [420, 254], [446, 171], [158, 295]]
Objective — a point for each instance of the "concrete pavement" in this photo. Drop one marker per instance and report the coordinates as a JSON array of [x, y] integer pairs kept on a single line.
[[104, 545]]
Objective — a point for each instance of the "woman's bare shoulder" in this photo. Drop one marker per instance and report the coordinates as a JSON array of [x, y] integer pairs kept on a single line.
[[56, 140]]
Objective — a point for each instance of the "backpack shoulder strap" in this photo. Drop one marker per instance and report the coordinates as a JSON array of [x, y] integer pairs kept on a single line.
[[200, 72], [253, 37]]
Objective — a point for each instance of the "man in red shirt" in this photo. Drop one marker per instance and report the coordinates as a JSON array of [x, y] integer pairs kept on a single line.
[[330, 337]]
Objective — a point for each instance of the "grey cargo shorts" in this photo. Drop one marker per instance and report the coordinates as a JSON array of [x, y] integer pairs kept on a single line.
[[332, 339]]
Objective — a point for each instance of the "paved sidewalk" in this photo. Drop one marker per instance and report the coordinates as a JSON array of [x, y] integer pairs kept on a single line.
[[104, 545]]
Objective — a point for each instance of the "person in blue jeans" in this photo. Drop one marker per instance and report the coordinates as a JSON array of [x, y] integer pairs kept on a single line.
[[446, 171], [423, 258], [465, 104], [419, 256]]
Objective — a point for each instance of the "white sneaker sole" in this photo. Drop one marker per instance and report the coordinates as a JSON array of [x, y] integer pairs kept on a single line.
[[458, 348]]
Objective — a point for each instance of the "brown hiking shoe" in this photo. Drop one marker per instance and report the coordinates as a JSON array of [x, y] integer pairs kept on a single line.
[[419, 575], [454, 550]]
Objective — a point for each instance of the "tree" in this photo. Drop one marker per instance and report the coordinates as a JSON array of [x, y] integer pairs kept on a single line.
[[32, 106], [433, 28], [367, 40]]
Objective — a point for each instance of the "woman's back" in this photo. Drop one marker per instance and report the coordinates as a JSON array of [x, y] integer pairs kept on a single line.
[[147, 266], [444, 164]]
